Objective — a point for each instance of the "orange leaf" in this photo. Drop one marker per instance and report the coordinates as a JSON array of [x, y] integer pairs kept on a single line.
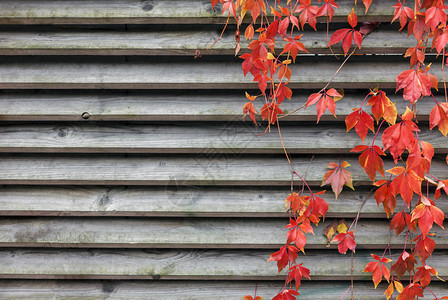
[[338, 176]]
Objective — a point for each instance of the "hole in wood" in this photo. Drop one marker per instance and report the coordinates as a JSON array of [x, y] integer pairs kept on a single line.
[[85, 115]]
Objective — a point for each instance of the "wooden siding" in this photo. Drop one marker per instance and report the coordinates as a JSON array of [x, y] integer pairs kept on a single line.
[[128, 173]]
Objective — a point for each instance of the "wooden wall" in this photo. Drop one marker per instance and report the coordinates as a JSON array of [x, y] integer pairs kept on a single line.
[[127, 172]]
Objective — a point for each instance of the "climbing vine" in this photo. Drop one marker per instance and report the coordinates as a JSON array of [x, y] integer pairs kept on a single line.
[[426, 22]]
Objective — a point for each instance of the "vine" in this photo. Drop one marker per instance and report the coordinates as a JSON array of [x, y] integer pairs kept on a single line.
[[426, 21]]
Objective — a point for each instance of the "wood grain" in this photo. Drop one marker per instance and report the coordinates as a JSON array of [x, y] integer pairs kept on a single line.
[[235, 137], [147, 12], [182, 264], [209, 168], [167, 106]]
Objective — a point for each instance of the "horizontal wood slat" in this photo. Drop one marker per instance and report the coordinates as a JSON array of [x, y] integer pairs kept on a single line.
[[201, 290], [185, 233], [235, 137], [178, 201], [88, 42], [182, 264], [147, 12], [210, 169], [151, 106], [143, 73]]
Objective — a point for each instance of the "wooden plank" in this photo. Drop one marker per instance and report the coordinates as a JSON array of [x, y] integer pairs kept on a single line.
[[87, 42], [145, 73], [211, 168], [177, 201], [201, 290], [158, 106], [235, 137], [147, 12], [185, 233], [182, 264], [182, 200]]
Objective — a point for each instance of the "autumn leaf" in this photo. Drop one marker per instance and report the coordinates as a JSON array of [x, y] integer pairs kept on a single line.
[[296, 273], [283, 256], [406, 183], [415, 83], [424, 247], [401, 221], [362, 122], [416, 54], [249, 297], [346, 241], [270, 111], [324, 100], [378, 269], [435, 16], [347, 36], [308, 14], [402, 13], [286, 295], [424, 273], [338, 176], [411, 291], [297, 203], [383, 107], [426, 214], [405, 263], [439, 117], [370, 159], [248, 109], [333, 228], [385, 195], [327, 9]]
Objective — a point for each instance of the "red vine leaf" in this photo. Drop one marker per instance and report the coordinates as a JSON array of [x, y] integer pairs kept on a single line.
[[415, 84], [383, 107], [249, 297], [439, 117], [362, 122], [283, 256], [411, 291], [338, 176], [426, 214], [385, 194], [327, 9], [424, 247], [402, 13], [405, 263], [346, 241], [308, 14], [370, 160], [296, 273], [324, 100], [286, 295], [400, 221], [378, 269]]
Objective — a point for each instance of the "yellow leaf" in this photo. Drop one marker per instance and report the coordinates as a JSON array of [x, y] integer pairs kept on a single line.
[[342, 227], [398, 286], [270, 56]]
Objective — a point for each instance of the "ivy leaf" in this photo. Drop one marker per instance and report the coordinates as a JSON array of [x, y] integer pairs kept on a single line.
[[439, 117], [400, 221], [296, 273], [327, 9], [370, 160], [402, 13], [286, 295], [338, 176], [283, 256], [324, 100], [362, 122], [411, 291], [426, 214], [415, 83], [383, 107], [378, 269], [346, 241], [346, 36], [308, 14], [405, 263], [385, 194], [424, 247]]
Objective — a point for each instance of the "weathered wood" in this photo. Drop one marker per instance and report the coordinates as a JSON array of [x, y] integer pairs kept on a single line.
[[181, 290], [175, 106], [178, 201], [87, 42], [183, 264], [144, 73], [209, 168], [148, 12], [234, 137], [184, 233]]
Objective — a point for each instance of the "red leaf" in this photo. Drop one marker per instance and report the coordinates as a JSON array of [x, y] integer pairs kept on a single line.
[[415, 84], [383, 107], [370, 160], [324, 101], [283, 256], [352, 18], [405, 263], [439, 117], [346, 241], [296, 273], [362, 122], [338, 176], [378, 269], [402, 13]]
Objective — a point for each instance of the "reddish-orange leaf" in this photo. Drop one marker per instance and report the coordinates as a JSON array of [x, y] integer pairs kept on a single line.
[[405, 263], [308, 14], [424, 247], [400, 136], [296, 273], [327, 9], [270, 111], [416, 54], [352, 18], [443, 184], [298, 203], [249, 32], [402, 13], [411, 292], [367, 4], [378, 269], [370, 160], [283, 256], [400, 221], [248, 109], [286, 295], [249, 297], [439, 117], [324, 100], [426, 214], [346, 36], [440, 40], [415, 84], [406, 183], [362, 122], [346, 241], [423, 275], [435, 16], [385, 194], [338, 176], [383, 107]]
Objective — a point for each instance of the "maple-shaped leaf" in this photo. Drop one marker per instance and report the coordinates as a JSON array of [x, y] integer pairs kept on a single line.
[[424, 247], [417, 26], [370, 159], [327, 9], [230, 6], [416, 54], [297, 203], [426, 214], [442, 185], [424, 273], [338, 176], [296, 233], [399, 137], [324, 100], [402, 13], [405, 263], [406, 183], [383, 107], [283, 256], [415, 84], [249, 297], [281, 92], [378, 269], [293, 46], [435, 16], [439, 117], [385, 195], [400, 221], [333, 228], [248, 109], [411, 291], [362, 122], [317, 208], [440, 40], [347, 36], [308, 14], [346, 241], [296, 273], [270, 111], [286, 295]]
